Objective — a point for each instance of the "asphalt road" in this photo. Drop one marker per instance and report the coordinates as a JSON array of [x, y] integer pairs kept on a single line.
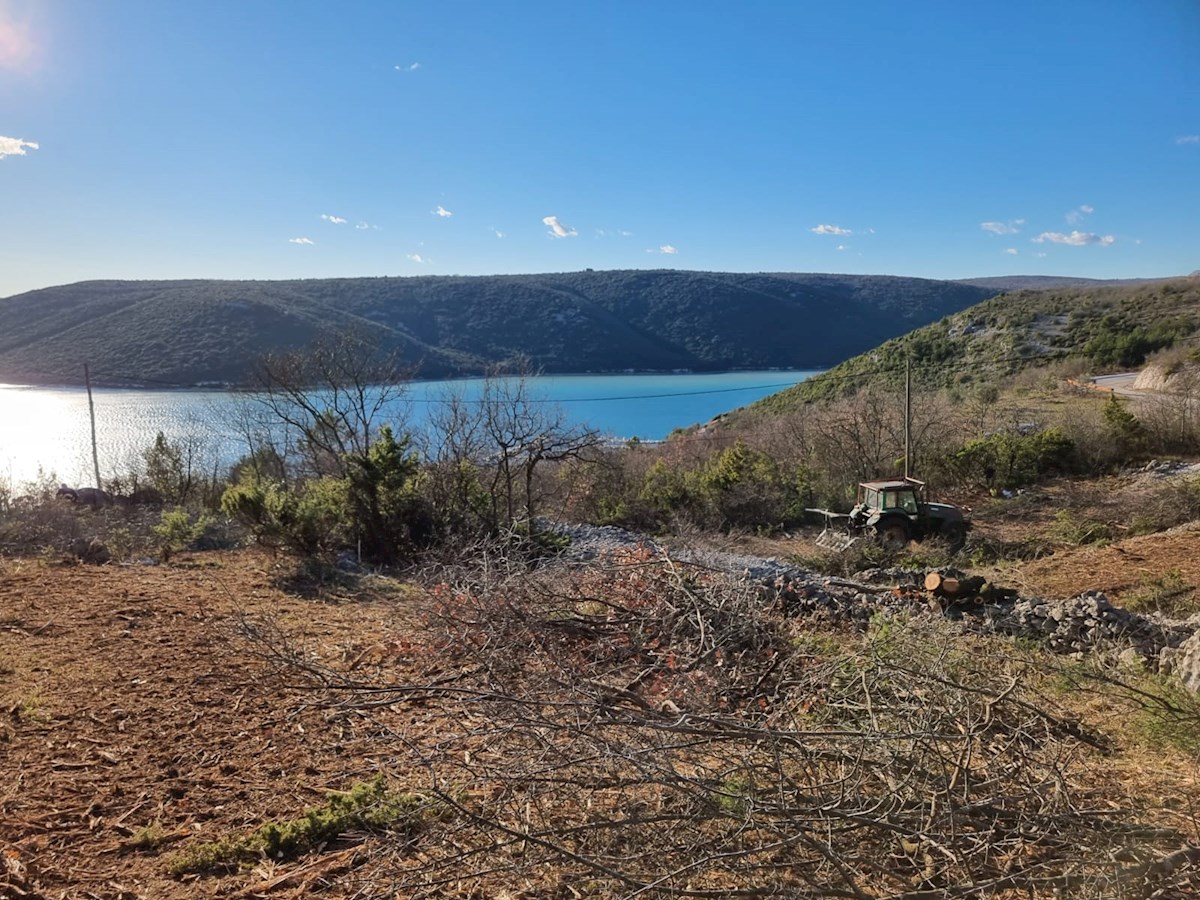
[[1120, 384]]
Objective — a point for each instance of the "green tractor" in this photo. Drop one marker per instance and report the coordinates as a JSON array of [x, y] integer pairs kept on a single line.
[[894, 513]]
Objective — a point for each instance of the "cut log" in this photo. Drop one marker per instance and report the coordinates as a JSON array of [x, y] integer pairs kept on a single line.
[[933, 581]]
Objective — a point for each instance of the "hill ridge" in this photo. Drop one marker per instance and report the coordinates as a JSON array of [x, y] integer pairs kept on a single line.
[[204, 331]]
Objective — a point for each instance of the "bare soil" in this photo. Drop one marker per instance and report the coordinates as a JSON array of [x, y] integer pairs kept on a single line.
[[136, 721]]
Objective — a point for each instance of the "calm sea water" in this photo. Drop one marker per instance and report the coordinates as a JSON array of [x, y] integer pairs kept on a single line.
[[48, 428]]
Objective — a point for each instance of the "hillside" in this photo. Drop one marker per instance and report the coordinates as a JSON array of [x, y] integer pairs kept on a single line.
[[1104, 327], [188, 332]]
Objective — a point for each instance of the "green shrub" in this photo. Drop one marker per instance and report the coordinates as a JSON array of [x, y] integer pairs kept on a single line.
[[369, 805], [1010, 459], [178, 530], [310, 519], [376, 507]]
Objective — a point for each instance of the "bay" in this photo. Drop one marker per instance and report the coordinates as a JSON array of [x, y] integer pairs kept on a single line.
[[47, 431]]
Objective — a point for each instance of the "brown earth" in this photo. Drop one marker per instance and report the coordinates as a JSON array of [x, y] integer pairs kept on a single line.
[[133, 710], [137, 718]]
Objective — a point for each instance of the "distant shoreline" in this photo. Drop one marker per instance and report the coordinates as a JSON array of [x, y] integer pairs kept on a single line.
[[235, 388]]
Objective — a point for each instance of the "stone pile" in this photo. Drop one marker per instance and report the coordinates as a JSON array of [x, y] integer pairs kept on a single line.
[[1183, 662], [837, 601], [1076, 625], [1081, 623]]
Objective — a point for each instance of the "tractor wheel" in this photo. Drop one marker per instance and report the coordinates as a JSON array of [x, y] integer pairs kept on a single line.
[[955, 535], [894, 534]]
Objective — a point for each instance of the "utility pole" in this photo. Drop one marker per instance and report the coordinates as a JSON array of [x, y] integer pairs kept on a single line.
[[87, 380], [907, 413]]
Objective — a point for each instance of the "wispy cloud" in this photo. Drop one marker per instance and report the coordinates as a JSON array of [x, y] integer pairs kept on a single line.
[[416, 257], [443, 212], [301, 240], [557, 228], [361, 226], [1075, 216], [625, 233], [841, 247], [333, 220], [411, 67], [1012, 251], [498, 232], [1075, 238], [1012, 226], [830, 229], [13, 146], [1188, 139], [668, 249]]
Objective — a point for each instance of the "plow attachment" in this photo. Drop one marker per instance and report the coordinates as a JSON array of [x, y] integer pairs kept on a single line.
[[836, 535]]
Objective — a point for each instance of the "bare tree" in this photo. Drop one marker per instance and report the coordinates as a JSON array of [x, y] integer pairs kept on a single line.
[[331, 400], [488, 451]]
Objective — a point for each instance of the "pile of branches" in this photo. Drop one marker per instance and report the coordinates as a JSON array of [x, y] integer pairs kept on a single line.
[[645, 729]]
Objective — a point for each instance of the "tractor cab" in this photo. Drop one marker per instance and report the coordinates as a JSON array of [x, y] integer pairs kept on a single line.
[[877, 497]]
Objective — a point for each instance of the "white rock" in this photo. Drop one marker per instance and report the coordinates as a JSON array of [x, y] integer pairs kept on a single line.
[[1184, 662]]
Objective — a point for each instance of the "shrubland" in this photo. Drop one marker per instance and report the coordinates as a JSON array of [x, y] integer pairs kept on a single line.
[[328, 474], [642, 726]]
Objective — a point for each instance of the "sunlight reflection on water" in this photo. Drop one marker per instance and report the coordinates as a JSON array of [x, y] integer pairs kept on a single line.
[[48, 429]]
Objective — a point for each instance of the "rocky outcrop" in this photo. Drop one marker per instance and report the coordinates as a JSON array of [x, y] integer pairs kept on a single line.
[[1166, 379]]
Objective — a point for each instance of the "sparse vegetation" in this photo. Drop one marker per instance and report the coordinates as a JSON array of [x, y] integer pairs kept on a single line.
[[638, 724], [370, 806]]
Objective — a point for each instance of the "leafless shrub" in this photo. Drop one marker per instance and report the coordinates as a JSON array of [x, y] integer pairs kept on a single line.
[[649, 729]]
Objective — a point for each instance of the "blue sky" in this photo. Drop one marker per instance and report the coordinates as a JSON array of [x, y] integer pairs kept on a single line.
[[303, 139]]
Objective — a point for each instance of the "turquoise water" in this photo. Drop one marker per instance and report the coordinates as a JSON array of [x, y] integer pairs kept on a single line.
[[48, 428]]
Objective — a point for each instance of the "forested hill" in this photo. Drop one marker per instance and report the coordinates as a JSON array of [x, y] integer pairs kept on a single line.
[[1095, 328], [189, 332]]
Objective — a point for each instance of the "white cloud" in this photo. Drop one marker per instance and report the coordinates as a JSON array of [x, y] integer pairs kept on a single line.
[[411, 67], [842, 247], [443, 212], [557, 228], [830, 229], [333, 220], [1188, 139], [498, 232], [1012, 226], [668, 249], [361, 226], [625, 233], [300, 240], [1075, 238], [1040, 255], [14, 146], [416, 257], [1012, 251], [1075, 216]]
